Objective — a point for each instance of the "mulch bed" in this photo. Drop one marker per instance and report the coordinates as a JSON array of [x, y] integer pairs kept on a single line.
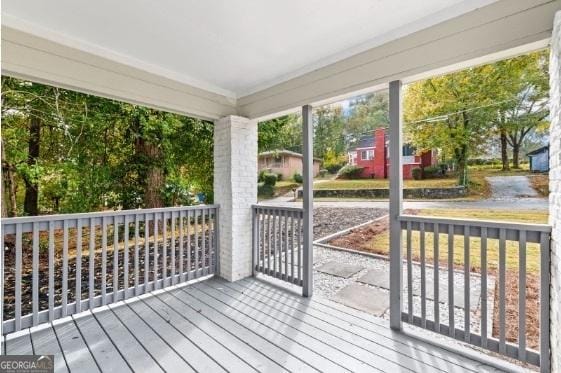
[[27, 275], [360, 239], [329, 220]]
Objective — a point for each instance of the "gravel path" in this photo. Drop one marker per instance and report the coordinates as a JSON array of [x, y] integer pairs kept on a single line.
[[328, 220], [511, 187]]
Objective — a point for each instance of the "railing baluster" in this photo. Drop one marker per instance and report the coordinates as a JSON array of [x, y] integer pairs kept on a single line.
[[146, 278], [126, 256], [91, 265], [254, 242], [156, 253], [436, 255], [544, 302], [423, 278], [269, 212], [203, 244], [502, 291], [172, 248], [197, 266], [181, 256], [275, 242], [78, 296], [484, 287], [164, 249], [115, 259], [285, 277], [65, 269], [136, 252], [409, 253], [18, 277], [104, 261], [522, 296], [262, 213], [52, 270], [211, 240], [189, 264], [299, 236], [35, 264], [467, 268], [451, 315], [292, 217]]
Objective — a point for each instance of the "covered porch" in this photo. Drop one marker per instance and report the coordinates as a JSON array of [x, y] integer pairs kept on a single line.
[[229, 286]]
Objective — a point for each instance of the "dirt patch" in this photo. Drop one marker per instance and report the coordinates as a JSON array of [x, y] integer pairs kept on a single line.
[[540, 183], [511, 314], [331, 220]]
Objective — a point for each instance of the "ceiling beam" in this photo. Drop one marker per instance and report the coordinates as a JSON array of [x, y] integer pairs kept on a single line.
[[35, 57]]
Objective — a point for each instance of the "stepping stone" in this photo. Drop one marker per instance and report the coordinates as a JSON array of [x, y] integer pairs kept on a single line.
[[339, 269], [379, 278], [364, 298]]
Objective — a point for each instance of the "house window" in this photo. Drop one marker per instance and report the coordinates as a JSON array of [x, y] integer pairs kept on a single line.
[[367, 155]]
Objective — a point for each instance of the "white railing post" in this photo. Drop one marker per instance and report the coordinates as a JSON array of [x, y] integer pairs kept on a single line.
[[396, 194], [307, 189]]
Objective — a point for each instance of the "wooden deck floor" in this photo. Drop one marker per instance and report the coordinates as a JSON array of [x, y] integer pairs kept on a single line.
[[215, 326]]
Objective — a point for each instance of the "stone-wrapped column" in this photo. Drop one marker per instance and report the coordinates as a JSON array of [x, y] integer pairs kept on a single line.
[[235, 189], [555, 195]]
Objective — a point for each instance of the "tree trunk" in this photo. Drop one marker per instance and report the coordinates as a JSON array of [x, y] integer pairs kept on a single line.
[[154, 177], [31, 201], [504, 150], [11, 188], [515, 155]]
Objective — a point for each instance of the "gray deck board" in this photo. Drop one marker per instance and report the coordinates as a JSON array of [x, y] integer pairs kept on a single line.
[[105, 353], [76, 353], [378, 355], [251, 336], [299, 350], [367, 326], [168, 358], [45, 343], [131, 350], [238, 356], [215, 326], [325, 344], [180, 343], [19, 343]]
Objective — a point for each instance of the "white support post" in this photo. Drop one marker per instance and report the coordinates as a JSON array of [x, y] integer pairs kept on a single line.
[[555, 200], [396, 205], [307, 189], [235, 190]]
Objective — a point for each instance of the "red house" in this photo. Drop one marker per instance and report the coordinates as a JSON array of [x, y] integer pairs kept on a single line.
[[371, 153]]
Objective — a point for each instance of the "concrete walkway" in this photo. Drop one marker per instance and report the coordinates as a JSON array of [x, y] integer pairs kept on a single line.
[[510, 187]]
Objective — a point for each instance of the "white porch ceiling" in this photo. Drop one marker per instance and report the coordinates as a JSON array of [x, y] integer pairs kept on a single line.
[[232, 48]]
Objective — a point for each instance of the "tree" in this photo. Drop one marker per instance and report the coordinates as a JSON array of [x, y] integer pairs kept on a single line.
[[520, 87], [445, 112]]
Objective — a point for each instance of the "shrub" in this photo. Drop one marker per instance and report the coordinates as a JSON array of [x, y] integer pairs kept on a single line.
[[323, 172], [333, 162], [417, 173], [350, 172], [431, 172], [297, 178], [279, 176], [260, 176], [269, 179], [264, 190]]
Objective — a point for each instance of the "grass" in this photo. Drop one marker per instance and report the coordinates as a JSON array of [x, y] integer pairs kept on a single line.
[[380, 243], [384, 183]]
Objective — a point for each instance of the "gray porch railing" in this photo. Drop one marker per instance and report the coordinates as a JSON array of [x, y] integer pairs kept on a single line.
[[59, 265], [515, 243], [278, 243]]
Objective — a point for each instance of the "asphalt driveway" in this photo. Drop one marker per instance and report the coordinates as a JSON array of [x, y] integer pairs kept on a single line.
[[511, 187]]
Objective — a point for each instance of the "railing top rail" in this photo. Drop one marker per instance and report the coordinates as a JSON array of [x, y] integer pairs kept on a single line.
[[283, 208], [477, 223], [86, 215]]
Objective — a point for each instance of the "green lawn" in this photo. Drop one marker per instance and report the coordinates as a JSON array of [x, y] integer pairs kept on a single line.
[[380, 243], [384, 183]]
